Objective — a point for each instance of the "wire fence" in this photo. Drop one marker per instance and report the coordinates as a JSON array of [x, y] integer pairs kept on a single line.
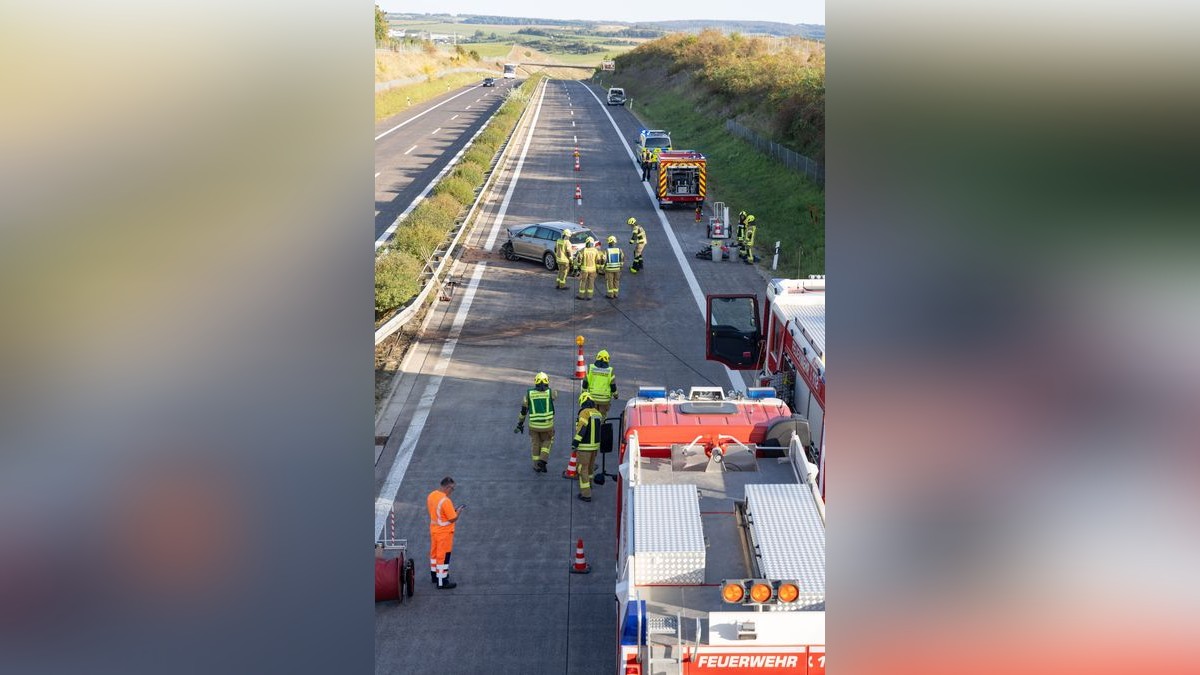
[[788, 157]]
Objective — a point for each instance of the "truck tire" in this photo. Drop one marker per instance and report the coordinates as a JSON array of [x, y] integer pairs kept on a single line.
[[780, 433]]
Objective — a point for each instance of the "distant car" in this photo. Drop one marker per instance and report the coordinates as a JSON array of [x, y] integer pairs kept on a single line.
[[616, 96], [489, 81], [536, 241]]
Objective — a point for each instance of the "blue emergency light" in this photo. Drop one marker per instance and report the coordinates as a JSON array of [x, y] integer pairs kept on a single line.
[[635, 613], [760, 392], [652, 392]]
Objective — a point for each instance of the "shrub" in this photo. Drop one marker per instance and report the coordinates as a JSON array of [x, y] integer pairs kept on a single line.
[[397, 279], [462, 191], [470, 173], [418, 239], [433, 214], [479, 155]]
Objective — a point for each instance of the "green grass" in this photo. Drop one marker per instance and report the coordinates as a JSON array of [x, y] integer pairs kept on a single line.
[[398, 99], [745, 179]]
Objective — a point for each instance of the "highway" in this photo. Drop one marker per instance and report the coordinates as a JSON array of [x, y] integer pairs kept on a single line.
[[411, 148], [517, 609]]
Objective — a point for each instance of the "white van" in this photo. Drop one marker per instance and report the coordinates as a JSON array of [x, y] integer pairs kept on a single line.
[[616, 96]]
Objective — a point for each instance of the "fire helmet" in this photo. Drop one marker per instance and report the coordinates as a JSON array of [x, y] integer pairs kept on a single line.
[[566, 234], [749, 219], [631, 221], [612, 240], [541, 378], [589, 241], [602, 355]]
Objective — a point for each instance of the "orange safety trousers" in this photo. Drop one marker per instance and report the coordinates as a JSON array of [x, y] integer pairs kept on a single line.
[[439, 554]]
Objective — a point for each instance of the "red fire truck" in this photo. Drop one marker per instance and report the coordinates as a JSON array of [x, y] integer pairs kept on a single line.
[[720, 535], [785, 344]]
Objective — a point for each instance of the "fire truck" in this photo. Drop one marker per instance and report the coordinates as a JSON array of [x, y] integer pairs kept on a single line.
[[682, 178], [720, 535], [785, 345]]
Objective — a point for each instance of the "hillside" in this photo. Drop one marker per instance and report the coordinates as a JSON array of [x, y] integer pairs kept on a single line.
[[810, 31]]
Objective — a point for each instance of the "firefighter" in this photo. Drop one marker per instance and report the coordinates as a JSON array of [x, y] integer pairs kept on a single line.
[[741, 228], [748, 242], [562, 256], [442, 516], [539, 404], [601, 382], [647, 162], [638, 240], [614, 260], [586, 443], [589, 259]]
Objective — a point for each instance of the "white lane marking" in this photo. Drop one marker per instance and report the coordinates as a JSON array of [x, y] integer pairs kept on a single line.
[[467, 108], [572, 122], [454, 118], [734, 378], [435, 131], [410, 149], [404, 455], [377, 174], [512, 185], [479, 99], [419, 114], [576, 139]]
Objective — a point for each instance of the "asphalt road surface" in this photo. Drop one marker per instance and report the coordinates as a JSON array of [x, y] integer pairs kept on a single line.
[[413, 146], [517, 609]]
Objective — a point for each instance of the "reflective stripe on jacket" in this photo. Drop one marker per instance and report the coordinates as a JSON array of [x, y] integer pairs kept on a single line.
[[615, 259], [590, 257], [639, 235], [587, 429], [600, 383], [562, 250], [441, 510], [541, 408]]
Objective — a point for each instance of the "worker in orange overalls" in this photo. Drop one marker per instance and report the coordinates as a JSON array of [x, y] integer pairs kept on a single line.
[[442, 516]]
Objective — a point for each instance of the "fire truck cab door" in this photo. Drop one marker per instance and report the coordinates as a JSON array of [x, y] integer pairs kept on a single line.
[[733, 334]]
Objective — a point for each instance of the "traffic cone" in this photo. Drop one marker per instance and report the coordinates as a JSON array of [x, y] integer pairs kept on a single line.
[[570, 472], [578, 194], [577, 163], [580, 367], [581, 565]]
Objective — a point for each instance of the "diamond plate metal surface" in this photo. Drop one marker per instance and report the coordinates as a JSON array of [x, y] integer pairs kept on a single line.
[[787, 528], [668, 536]]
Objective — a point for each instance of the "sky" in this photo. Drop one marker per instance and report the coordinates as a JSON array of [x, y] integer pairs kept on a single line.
[[795, 11]]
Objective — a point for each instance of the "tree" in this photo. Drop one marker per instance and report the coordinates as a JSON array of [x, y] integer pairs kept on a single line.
[[381, 25]]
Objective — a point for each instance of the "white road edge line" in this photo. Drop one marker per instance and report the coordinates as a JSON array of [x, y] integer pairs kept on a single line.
[[419, 114], [512, 184], [734, 378], [377, 174], [404, 454]]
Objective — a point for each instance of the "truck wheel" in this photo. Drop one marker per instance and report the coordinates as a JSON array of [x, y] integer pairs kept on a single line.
[[507, 250], [549, 261]]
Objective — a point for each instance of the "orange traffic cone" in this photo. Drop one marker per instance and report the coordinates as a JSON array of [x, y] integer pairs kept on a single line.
[[576, 163], [570, 472], [580, 367], [578, 194], [581, 565]]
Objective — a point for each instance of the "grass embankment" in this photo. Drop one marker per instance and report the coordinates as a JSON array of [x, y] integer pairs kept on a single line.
[[398, 99], [399, 264], [691, 84]]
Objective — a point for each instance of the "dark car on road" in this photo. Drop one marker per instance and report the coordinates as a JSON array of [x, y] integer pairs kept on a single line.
[[489, 81], [536, 241]]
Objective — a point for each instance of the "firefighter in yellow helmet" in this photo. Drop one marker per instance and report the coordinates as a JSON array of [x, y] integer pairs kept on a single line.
[[586, 443], [601, 382], [590, 260], [562, 257], [539, 405], [614, 260], [748, 241], [741, 228], [638, 240]]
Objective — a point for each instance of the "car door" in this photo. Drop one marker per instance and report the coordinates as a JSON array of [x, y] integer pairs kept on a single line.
[[525, 243], [548, 237]]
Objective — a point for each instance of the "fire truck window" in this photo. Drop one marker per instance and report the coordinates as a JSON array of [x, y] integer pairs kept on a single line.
[[736, 313]]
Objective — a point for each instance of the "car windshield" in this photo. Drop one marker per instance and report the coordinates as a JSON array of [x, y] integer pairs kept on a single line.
[[658, 142], [581, 236]]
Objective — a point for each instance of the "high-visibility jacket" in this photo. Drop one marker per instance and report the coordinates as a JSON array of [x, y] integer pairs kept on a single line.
[[741, 230], [441, 510], [749, 238], [639, 235], [562, 250], [540, 406], [589, 259], [587, 430], [600, 382], [613, 258]]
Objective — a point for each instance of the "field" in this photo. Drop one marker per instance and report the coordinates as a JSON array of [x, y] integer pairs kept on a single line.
[[562, 44]]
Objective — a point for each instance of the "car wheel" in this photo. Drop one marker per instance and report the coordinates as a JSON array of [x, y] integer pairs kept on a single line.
[[549, 261], [508, 252]]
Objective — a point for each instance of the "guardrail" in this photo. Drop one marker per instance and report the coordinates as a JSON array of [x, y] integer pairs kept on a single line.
[[405, 315], [788, 157]]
